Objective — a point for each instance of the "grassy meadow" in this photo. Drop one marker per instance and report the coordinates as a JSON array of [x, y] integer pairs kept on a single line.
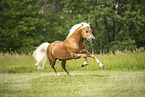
[[123, 75]]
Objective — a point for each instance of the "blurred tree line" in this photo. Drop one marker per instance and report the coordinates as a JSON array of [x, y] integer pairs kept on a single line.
[[116, 24]]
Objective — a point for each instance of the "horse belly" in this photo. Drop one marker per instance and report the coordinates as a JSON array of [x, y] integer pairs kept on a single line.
[[60, 52]]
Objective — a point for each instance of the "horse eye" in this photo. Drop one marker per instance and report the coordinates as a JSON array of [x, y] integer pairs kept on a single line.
[[86, 31]]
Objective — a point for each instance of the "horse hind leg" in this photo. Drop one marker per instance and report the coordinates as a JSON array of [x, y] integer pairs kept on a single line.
[[63, 65], [56, 73], [52, 63]]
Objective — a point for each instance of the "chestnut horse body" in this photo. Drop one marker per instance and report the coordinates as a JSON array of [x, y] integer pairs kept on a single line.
[[72, 47]]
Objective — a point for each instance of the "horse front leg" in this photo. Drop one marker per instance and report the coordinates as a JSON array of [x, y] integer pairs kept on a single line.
[[88, 54], [85, 63], [94, 57], [76, 56]]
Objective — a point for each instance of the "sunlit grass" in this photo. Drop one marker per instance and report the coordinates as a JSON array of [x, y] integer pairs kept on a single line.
[[123, 76], [15, 63], [84, 84]]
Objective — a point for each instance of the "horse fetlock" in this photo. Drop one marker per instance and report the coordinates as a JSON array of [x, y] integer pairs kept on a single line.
[[93, 56]]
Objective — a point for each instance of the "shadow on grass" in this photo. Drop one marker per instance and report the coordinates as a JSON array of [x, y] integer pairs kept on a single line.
[[100, 76]]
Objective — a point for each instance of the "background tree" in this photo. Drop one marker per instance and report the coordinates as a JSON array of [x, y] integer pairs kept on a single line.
[[116, 24], [20, 22]]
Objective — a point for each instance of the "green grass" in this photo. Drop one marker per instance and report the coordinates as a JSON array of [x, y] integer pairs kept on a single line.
[[14, 63], [123, 76], [84, 84]]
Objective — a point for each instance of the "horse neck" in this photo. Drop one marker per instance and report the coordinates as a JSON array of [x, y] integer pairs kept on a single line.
[[77, 36]]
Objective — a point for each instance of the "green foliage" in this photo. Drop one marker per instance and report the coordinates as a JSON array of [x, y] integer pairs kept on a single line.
[[19, 24], [122, 45], [25, 24], [109, 22]]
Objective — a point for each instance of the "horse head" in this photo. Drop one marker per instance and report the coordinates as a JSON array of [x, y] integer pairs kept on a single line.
[[87, 33]]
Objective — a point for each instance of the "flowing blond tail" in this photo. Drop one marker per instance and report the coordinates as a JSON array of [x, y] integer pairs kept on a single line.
[[40, 54]]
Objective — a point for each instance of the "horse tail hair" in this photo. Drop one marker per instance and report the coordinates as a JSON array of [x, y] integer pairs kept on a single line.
[[40, 54]]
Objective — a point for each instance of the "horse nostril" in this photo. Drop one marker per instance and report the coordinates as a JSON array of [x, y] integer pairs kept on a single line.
[[93, 39]]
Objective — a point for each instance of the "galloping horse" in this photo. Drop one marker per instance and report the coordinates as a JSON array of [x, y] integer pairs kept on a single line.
[[72, 47]]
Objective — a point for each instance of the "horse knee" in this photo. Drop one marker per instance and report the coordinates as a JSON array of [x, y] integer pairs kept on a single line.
[[84, 56], [93, 56]]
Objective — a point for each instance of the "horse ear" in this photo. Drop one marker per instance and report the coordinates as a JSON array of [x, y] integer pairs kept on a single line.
[[90, 24]]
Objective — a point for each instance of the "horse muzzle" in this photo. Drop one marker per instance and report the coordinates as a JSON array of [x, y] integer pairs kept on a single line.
[[91, 39]]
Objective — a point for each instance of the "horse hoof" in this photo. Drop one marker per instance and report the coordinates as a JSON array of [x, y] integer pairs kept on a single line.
[[71, 75], [102, 67], [83, 65], [57, 74]]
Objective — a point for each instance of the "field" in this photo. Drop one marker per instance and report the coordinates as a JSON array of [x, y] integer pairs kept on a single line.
[[123, 76]]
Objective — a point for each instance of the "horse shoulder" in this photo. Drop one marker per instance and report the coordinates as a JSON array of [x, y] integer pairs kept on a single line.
[[71, 46]]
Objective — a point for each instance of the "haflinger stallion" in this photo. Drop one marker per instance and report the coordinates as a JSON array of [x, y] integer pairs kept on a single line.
[[72, 47]]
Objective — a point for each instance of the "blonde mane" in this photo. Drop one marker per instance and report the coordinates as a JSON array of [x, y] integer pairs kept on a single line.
[[75, 27]]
